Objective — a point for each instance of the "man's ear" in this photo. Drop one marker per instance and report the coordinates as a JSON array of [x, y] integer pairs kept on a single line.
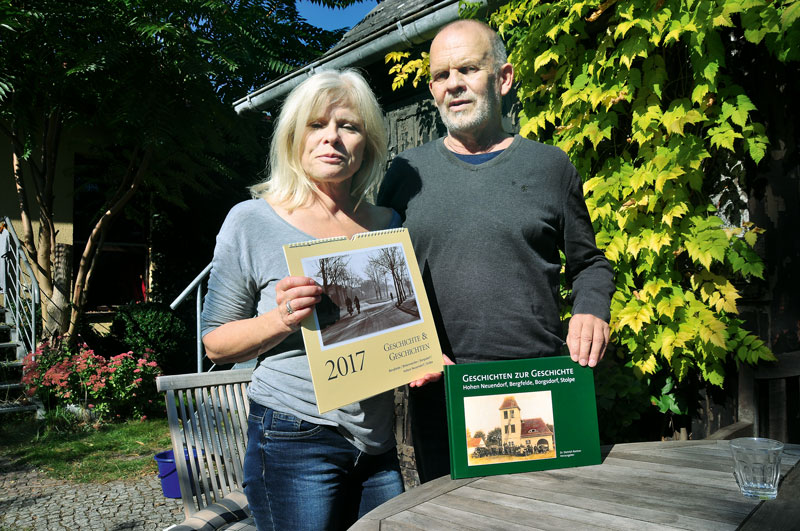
[[506, 78]]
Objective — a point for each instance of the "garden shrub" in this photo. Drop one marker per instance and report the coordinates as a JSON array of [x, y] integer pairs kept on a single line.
[[154, 326], [118, 388]]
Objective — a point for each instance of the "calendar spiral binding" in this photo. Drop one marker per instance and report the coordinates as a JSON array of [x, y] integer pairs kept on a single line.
[[315, 242], [378, 232], [340, 238]]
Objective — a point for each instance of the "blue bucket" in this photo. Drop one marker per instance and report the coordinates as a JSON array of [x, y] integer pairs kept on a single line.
[[168, 473]]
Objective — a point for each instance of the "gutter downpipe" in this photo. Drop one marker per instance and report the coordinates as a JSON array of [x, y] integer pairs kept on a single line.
[[414, 29]]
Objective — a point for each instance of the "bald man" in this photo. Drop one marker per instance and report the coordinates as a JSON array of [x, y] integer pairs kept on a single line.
[[489, 213]]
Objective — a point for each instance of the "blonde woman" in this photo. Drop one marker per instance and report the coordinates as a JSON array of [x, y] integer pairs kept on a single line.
[[303, 469]]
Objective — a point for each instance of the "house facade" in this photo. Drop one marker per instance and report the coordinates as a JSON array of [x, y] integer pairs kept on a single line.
[[518, 431]]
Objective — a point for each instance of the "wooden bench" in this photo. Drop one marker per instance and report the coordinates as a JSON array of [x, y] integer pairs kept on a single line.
[[207, 415]]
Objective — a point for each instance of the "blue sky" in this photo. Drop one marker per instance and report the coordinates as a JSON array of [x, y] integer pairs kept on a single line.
[[331, 19]]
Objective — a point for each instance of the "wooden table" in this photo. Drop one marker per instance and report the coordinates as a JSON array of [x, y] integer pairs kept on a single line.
[[638, 486]]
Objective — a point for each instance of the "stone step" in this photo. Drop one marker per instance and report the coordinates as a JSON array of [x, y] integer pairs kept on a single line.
[[8, 352], [12, 392], [13, 407], [7, 333]]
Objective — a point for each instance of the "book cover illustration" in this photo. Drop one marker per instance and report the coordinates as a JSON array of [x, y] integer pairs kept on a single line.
[[519, 416], [373, 330]]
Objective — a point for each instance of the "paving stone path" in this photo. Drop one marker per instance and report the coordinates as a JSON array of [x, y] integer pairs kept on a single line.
[[29, 500]]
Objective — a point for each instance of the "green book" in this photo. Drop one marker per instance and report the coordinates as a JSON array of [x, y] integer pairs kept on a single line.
[[505, 417]]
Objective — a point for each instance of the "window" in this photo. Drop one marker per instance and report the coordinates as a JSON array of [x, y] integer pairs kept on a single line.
[[506, 429], [513, 428], [512, 413], [505, 414]]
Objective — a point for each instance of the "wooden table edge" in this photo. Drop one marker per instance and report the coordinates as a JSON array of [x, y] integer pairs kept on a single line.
[[781, 513], [438, 486]]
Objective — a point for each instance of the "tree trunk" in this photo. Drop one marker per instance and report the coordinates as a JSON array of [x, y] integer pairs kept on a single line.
[[56, 318], [133, 178]]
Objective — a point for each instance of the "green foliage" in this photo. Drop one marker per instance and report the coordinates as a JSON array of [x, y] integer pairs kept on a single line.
[[403, 69], [155, 328], [622, 402], [143, 90], [114, 389], [642, 98]]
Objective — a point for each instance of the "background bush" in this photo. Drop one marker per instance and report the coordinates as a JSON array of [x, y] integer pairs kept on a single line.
[[138, 327]]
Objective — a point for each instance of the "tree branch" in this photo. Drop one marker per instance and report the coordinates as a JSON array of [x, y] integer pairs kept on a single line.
[[600, 10], [50, 153], [17, 145], [22, 200]]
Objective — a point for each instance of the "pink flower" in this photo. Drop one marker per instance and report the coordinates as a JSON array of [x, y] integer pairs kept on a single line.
[[91, 406], [137, 370]]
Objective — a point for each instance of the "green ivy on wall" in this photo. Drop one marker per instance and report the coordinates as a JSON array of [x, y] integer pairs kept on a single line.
[[643, 97]]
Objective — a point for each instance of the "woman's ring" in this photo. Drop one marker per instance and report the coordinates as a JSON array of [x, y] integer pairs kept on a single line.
[[289, 308]]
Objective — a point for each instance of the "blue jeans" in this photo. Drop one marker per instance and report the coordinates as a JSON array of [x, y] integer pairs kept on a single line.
[[303, 476]]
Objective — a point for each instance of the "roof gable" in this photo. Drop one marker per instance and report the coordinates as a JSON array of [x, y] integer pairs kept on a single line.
[[534, 427], [509, 403]]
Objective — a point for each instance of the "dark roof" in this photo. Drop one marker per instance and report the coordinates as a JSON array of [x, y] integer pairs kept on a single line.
[[385, 14], [391, 25], [534, 427], [509, 403]]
